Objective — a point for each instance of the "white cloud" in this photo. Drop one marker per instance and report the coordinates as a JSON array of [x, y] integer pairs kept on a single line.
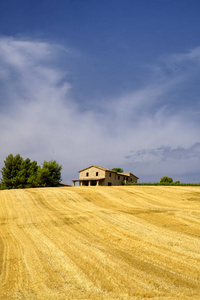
[[192, 55], [40, 120]]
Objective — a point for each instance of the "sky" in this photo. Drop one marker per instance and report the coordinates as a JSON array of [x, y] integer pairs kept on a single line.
[[113, 83]]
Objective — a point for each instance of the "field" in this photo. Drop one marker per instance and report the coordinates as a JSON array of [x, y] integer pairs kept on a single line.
[[123, 242]]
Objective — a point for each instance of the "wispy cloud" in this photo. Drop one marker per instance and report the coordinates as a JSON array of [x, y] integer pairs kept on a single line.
[[40, 119], [193, 55]]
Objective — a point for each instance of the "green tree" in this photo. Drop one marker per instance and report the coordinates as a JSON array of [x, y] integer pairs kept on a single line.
[[166, 180], [49, 174], [177, 182], [28, 170], [31, 169], [118, 170], [17, 172], [20, 173], [10, 171]]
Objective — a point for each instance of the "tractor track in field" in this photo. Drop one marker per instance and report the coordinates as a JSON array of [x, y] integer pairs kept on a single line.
[[128, 242]]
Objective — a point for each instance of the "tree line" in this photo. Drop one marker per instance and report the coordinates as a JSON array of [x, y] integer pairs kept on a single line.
[[24, 173], [164, 181]]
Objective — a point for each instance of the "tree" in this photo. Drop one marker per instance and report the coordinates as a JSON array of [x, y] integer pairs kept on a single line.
[[28, 170], [20, 173], [166, 180], [177, 182], [16, 172], [10, 171], [118, 170], [32, 175], [49, 174]]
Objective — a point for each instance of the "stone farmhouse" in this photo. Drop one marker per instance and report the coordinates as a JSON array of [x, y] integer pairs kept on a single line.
[[95, 175]]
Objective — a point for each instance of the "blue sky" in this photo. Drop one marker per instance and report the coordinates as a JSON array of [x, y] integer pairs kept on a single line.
[[110, 83]]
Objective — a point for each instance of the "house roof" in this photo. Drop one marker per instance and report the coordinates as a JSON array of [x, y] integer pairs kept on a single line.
[[129, 174], [109, 170], [101, 168]]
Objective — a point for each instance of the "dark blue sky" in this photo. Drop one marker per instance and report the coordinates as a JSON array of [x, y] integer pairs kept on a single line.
[[116, 38], [130, 71]]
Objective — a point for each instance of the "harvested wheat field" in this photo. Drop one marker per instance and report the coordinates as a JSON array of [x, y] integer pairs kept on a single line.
[[123, 242]]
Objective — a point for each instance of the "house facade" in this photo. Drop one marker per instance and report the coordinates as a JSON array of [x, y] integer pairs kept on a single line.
[[95, 175]]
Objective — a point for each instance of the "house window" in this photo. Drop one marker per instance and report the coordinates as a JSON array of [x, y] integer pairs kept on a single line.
[[87, 174], [97, 173], [131, 179], [118, 177], [110, 174]]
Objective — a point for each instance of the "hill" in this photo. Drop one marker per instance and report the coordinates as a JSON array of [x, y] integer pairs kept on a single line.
[[123, 242]]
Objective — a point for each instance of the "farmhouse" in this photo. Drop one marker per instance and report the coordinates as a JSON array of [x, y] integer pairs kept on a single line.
[[95, 175]]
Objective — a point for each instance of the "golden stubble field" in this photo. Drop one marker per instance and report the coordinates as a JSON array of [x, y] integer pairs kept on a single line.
[[100, 243]]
